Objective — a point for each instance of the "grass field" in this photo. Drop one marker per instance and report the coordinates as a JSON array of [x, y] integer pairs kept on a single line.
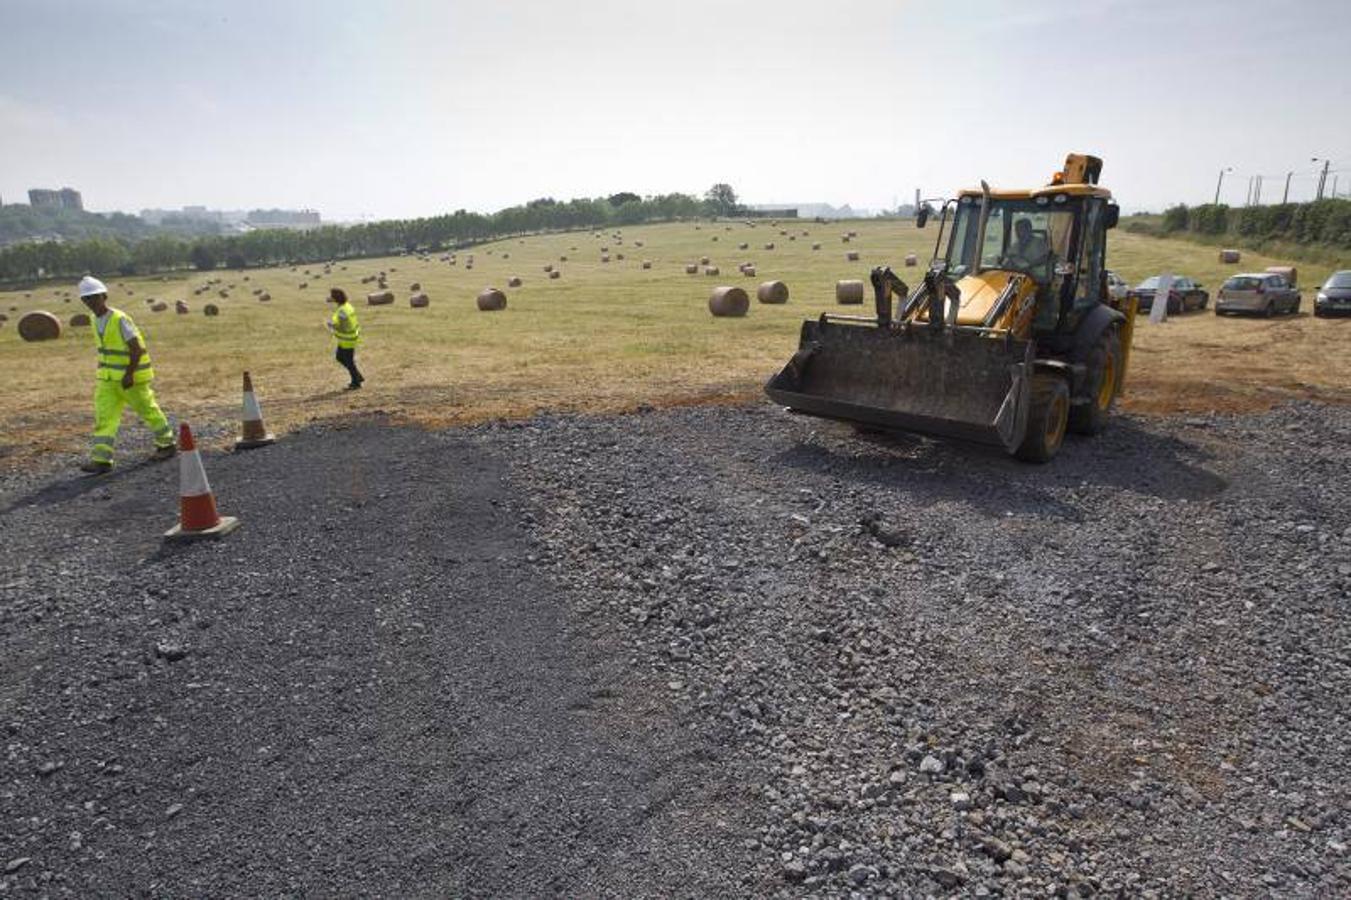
[[604, 336]]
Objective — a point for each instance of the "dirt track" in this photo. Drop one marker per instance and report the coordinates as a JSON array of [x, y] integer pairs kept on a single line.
[[690, 652]]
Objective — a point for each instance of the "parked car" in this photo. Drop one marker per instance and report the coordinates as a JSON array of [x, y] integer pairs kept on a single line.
[[1184, 295], [1259, 293], [1334, 297], [1117, 288]]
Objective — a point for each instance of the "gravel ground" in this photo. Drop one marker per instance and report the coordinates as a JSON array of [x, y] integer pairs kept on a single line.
[[719, 650]]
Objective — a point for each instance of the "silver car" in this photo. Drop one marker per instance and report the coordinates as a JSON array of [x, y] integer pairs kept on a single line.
[[1261, 293]]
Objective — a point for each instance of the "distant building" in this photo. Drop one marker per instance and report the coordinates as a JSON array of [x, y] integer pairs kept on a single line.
[[283, 218], [66, 198], [770, 212]]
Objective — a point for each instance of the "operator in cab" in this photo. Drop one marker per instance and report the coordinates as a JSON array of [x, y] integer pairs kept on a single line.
[[1029, 249]]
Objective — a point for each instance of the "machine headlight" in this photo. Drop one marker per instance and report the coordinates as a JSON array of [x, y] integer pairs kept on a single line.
[[1322, 297]]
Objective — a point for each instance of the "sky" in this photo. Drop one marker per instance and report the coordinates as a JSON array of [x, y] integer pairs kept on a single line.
[[365, 110]]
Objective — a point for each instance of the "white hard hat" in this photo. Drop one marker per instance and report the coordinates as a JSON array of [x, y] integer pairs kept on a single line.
[[90, 286]]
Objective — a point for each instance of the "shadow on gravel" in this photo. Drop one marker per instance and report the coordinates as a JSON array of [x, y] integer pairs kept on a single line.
[[75, 485], [1128, 457]]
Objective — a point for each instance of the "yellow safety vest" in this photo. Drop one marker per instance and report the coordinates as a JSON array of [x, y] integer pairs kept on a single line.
[[114, 355], [348, 335]]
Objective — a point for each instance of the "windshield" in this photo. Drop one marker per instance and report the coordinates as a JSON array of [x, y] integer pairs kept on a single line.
[[1339, 280], [1024, 235], [1243, 283]]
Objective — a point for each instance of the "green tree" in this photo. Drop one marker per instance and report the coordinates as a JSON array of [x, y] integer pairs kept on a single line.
[[721, 200], [202, 257]]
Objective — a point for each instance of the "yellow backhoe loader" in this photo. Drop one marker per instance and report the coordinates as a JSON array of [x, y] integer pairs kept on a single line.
[[1012, 337]]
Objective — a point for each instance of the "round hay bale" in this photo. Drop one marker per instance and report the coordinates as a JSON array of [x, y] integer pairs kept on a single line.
[[468, 266], [792, 237], [728, 301], [604, 249], [844, 238], [704, 260], [715, 238], [710, 270], [303, 285], [783, 232], [851, 256], [619, 256], [4, 318], [264, 297], [911, 260], [772, 292], [514, 281], [246, 278], [853, 234], [748, 271], [1230, 256], [647, 264], [79, 320], [562, 259], [211, 309], [691, 269], [491, 299], [816, 246], [548, 267], [223, 294], [743, 246], [637, 243], [415, 286], [554, 273], [849, 292], [769, 246], [39, 326], [506, 255], [159, 306], [605, 257], [419, 301], [380, 298], [181, 307]]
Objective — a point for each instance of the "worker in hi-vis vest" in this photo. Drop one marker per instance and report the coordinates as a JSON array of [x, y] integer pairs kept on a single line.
[[123, 379], [347, 332]]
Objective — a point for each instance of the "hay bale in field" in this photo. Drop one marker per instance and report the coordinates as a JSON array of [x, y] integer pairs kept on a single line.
[[554, 273], [380, 298], [159, 306], [844, 239], [514, 281], [849, 292], [1230, 256], [415, 286], [816, 246], [728, 301], [853, 234], [419, 301], [223, 294], [303, 285], [783, 232], [79, 320], [710, 270], [264, 297], [548, 267], [1289, 273], [246, 278], [691, 269], [637, 243], [506, 255], [562, 259], [181, 307], [851, 256], [769, 246], [715, 238], [39, 325], [211, 309], [619, 256], [911, 260], [772, 292], [604, 249], [748, 270], [743, 246], [605, 257], [491, 299], [647, 264], [792, 237], [704, 260]]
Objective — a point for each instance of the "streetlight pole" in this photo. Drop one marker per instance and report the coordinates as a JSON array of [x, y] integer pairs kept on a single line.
[[1323, 176], [1286, 198], [1257, 193], [1219, 181]]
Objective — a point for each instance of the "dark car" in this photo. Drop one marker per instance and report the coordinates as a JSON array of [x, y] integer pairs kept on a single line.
[[1184, 295], [1258, 293], [1334, 297]]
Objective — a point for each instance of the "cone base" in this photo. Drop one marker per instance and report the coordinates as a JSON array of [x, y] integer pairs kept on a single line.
[[226, 525], [255, 443]]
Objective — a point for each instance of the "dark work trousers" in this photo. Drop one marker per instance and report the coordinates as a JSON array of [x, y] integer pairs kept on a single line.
[[346, 357]]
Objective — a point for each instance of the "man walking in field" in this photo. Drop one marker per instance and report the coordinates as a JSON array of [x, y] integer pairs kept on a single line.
[[123, 379], [347, 332]]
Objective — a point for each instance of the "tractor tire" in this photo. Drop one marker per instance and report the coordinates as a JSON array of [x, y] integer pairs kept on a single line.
[[1104, 383], [1046, 420]]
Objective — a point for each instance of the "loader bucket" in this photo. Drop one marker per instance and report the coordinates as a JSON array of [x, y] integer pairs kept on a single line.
[[947, 382]]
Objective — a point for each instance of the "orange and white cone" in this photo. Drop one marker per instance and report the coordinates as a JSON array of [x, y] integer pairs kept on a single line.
[[254, 432], [197, 515]]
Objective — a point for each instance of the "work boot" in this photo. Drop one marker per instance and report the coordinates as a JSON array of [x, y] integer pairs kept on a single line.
[[165, 452], [354, 386], [94, 467]]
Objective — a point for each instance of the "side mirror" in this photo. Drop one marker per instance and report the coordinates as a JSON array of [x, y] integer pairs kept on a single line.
[[922, 215], [1113, 216]]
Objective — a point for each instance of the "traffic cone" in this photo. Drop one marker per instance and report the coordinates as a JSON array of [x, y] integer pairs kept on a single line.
[[197, 515], [255, 434]]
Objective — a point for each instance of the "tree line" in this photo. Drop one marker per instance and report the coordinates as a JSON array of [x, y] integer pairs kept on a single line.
[[1324, 223], [122, 255]]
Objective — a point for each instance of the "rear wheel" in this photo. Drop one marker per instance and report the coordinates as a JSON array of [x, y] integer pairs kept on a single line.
[[1104, 383], [1046, 420], [1270, 309]]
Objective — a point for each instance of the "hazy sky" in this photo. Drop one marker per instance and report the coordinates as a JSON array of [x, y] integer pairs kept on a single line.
[[361, 108]]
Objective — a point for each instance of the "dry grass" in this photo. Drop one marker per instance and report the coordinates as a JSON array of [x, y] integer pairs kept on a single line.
[[601, 337]]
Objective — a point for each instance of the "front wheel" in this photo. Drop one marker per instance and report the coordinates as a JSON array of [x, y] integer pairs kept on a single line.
[[1104, 383], [1046, 420]]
